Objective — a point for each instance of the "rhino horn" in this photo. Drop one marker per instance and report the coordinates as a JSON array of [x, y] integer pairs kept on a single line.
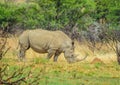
[[78, 60], [75, 59]]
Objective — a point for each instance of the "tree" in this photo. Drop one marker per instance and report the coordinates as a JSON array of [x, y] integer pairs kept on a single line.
[[108, 10], [59, 13]]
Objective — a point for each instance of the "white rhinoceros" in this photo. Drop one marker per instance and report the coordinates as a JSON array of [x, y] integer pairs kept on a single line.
[[51, 42]]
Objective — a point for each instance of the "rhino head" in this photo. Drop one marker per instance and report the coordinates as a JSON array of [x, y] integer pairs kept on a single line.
[[72, 58]]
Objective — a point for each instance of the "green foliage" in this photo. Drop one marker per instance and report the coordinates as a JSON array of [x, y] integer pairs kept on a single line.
[[71, 11], [30, 15], [48, 14], [57, 14], [108, 9], [7, 15]]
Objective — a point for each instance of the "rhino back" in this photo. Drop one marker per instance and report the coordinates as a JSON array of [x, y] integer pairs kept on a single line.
[[42, 40]]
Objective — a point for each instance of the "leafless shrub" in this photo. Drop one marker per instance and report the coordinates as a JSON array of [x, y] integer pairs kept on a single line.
[[3, 42], [8, 80], [116, 42], [19, 76], [112, 40]]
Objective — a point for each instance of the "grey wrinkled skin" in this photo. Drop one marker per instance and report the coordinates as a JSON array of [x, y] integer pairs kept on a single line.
[[51, 42], [118, 52]]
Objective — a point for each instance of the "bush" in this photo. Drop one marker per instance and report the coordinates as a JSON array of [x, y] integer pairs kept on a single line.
[[45, 14]]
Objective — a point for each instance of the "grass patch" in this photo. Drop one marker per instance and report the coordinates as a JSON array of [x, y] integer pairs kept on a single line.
[[39, 60], [51, 73]]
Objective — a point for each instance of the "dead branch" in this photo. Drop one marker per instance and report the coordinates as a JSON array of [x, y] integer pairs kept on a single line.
[[3, 42], [19, 76]]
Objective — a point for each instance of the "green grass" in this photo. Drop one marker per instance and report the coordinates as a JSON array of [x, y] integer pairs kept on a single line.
[[39, 60], [82, 81], [62, 73]]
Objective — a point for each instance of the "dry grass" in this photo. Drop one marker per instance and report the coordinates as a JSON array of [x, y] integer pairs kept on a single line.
[[105, 54], [13, 1]]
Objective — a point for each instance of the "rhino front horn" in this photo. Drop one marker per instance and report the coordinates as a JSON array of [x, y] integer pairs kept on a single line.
[[77, 60]]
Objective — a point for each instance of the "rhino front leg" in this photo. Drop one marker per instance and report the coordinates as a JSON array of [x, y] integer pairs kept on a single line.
[[56, 56], [50, 53]]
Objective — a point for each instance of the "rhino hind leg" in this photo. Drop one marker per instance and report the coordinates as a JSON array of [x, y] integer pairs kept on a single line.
[[21, 54], [118, 57], [56, 56], [22, 50]]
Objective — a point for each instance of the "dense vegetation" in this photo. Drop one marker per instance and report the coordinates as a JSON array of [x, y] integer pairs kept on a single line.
[[58, 14], [53, 15]]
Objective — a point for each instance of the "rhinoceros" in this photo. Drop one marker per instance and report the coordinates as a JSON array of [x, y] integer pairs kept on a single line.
[[51, 42]]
